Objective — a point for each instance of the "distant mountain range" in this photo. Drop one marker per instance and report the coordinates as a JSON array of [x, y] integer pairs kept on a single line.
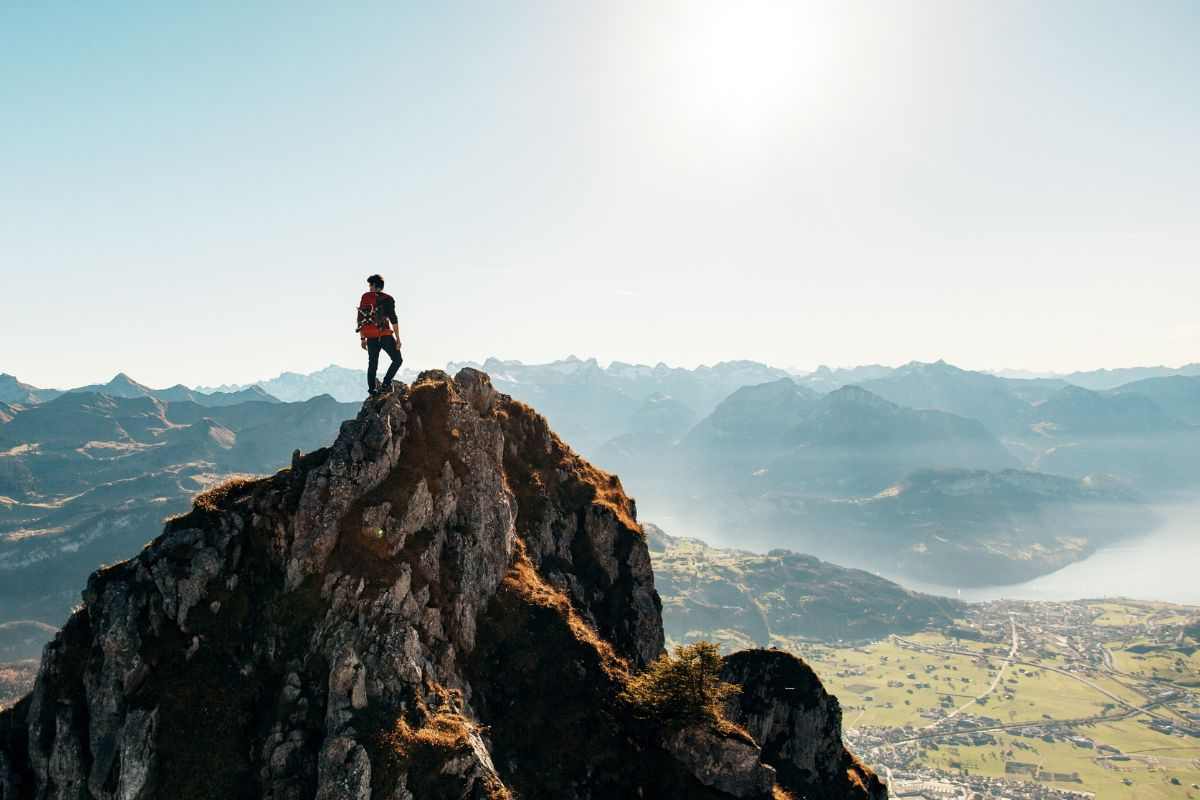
[[858, 479], [1146, 433], [849, 442], [827, 379], [778, 458], [590, 405], [998, 403], [342, 384], [1102, 379], [12, 391], [87, 477], [1085, 412], [1177, 395], [124, 386], [986, 396]]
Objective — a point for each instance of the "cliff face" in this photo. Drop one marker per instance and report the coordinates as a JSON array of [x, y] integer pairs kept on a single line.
[[445, 603]]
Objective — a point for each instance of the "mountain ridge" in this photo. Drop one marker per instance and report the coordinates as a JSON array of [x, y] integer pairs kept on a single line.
[[747, 599], [123, 386], [86, 479], [849, 441]]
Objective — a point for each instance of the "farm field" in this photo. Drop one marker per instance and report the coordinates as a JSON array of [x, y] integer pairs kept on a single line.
[[1096, 698]]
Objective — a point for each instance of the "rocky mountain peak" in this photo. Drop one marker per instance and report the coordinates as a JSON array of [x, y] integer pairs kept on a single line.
[[445, 602], [12, 390], [124, 385]]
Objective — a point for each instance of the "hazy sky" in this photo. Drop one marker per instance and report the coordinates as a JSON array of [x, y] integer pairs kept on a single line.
[[195, 192]]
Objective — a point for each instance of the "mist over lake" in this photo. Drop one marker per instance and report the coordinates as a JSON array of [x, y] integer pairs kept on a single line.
[[1161, 566]]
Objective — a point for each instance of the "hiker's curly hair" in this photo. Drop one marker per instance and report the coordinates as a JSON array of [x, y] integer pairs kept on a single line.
[[376, 280]]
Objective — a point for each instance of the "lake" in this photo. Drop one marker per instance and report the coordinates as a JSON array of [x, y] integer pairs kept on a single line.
[[1163, 565]]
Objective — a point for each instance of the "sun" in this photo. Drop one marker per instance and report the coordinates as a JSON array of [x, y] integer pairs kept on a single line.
[[755, 64]]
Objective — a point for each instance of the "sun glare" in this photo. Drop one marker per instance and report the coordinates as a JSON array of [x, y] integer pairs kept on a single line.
[[753, 66]]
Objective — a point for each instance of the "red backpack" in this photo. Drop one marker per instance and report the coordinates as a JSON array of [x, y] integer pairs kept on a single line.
[[372, 315]]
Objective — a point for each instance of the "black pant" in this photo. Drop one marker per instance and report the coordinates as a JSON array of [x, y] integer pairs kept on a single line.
[[387, 344]]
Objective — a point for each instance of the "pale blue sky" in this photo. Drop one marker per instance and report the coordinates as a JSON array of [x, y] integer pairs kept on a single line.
[[195, 194]]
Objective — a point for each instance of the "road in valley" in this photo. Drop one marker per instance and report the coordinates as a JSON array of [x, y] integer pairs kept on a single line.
[[1012, 654], [1144, 709]]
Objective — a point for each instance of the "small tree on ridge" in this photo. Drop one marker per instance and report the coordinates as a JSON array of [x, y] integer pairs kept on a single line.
[[683, 686]]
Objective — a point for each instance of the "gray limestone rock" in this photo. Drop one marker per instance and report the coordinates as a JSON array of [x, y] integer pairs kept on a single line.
[[726, 762]]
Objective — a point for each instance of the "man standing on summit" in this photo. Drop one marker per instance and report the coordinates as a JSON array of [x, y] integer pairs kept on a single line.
[[377, 330]]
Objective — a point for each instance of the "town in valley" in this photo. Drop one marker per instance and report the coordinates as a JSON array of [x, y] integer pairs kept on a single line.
[[1029, 700]]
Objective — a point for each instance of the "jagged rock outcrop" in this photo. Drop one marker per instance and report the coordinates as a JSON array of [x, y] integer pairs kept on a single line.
[[798, 725], [445, 603]]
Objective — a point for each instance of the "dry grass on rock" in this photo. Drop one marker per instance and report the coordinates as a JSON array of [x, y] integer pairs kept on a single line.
[[524, 581], [421, 751]]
